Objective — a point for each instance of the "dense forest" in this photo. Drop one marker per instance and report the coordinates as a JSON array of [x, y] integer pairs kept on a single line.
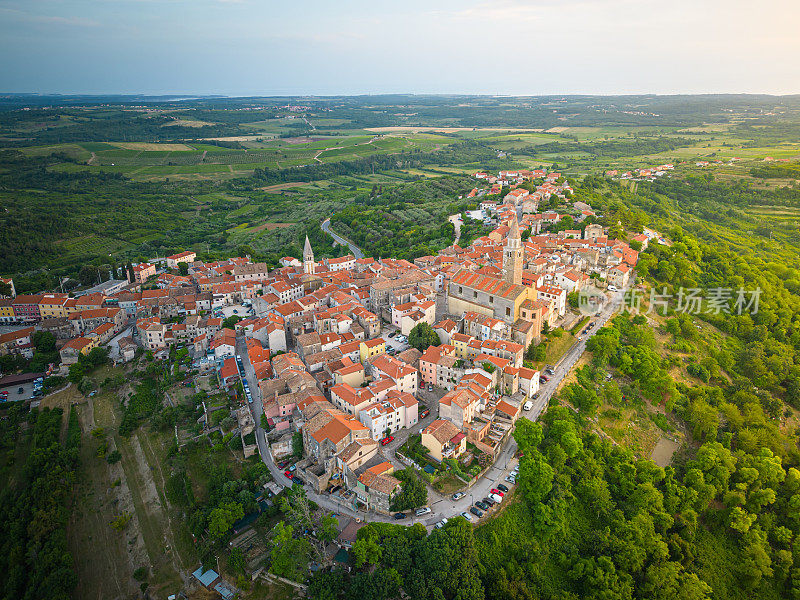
[[35, 508]]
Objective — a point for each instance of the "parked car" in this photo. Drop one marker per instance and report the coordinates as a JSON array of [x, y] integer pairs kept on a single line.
[[542, 380], [458, 495], [489, 501], [422, 510], [430, 387], [20, 390], [497, 492], [293, 468], [476, 511], [298, 481], [516, 469], [612, 288], [399, 516], [288, 474], [391, 334], [424, 413], [441, 524], [528, 405], [501, 487], [387, 440], [482, 505], [511, 479], [496, 498], [467, 516]]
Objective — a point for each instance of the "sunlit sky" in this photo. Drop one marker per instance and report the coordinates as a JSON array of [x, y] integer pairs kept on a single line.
[[261, 47]]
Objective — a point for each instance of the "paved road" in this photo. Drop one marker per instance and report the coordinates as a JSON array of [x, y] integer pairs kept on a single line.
[[355, 250], [442, 506]]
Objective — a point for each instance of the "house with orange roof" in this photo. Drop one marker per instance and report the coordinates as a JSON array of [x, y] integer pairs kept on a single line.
[[459, 406], [19, 341], [444, 440], [405, 377], [71, 351], [618, 275], [369, 349], [399, 410], [183, 257], [376, 488]]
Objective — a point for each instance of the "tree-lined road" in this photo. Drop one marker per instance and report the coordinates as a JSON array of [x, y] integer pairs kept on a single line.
[[355, 250]]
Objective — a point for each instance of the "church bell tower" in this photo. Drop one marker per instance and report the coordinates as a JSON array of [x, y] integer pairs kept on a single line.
[[513, 256]]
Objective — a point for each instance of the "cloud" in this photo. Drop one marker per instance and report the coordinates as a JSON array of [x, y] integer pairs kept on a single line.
[[22, 15], [501, 11]]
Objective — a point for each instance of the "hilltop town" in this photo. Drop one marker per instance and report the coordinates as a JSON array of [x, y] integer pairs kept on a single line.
[[378, 364]]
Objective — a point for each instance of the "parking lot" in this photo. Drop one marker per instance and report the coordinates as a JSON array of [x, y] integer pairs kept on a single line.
[[14, 394], [392, 342], [234, 309]]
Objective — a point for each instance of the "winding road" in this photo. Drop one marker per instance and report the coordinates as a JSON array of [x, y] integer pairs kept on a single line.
[[326, 227], [441, 507]]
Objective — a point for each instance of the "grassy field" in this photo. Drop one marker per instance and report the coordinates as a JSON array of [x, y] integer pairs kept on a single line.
[[155, 161]]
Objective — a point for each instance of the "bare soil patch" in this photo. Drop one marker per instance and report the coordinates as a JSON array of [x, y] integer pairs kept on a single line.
[[662, 453]]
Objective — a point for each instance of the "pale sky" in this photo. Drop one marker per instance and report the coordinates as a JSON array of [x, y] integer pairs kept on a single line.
[[519, 47]]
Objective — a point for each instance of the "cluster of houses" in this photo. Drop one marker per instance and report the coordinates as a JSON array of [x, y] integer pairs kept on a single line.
[[644, 174], [79, 324], [313, 334]]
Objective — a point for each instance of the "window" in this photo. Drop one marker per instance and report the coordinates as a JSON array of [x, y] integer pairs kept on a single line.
[[491, 299], [460, 290], [474, 294], [508, 312]]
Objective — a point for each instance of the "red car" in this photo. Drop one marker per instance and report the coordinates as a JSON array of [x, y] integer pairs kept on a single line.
[[288, 474], [498, 492], [387, 440]]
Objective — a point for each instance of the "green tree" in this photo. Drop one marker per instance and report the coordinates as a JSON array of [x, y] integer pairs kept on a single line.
[[230, 322], [44, 341], [366, 551], [297, 444], [414, 492], [223, 517], [290, 555], [236, 562], [422, 336]]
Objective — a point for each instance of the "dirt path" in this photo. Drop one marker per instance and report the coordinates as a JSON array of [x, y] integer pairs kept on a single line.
[[456, 221], [104, 558], [177, 561], [92, 159]]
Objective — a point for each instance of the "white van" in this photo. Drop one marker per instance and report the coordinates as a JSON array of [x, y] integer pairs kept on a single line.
[[528, 405], [496, 498], [424, 510]]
